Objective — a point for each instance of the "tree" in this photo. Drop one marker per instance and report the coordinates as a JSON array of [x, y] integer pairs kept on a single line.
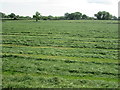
[[119, 18], [73, 16], [77, 15], [84, 16], [103, 15], [50, 17], [44, 18], [12, 16], [16, 17], [61, 18], [66, 15], [2, 15], [36, 16], [114, 18], [91, 18]]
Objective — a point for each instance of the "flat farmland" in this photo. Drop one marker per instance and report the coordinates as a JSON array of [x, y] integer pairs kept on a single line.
[[60, 54]]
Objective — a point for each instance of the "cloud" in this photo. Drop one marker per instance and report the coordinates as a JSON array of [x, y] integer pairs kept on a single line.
[[18, 1], [100, 1], [59, 7]]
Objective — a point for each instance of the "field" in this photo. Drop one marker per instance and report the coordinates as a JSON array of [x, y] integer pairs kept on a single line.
[[60, 54]]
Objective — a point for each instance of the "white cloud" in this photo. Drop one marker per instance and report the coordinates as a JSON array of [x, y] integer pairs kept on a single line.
[[59, 7], [11, 1], [100, 1]]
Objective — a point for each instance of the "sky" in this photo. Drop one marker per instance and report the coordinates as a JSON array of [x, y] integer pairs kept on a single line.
[[58, 7]]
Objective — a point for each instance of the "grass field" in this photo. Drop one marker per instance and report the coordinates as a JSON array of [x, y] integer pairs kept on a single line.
[[60, 54]]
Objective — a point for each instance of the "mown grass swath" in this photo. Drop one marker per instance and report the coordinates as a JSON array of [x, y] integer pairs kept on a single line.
[[58, 54]]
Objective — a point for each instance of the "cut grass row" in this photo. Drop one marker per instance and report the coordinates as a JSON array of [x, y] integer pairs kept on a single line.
[[14, 70], [20, 80], [80, 59], [61, 37], [88, 77], [46, 68], [17, 45], [61, 44], [63, 51]]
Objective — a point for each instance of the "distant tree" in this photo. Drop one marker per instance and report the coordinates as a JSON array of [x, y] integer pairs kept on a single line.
[[57, 18], [16, 17], [61, 18], [77, 15], [119, 18], [2, 15], [50, 17], [66, 15], [114, 18], [28, 17], [84, 16], [91, 18], [36, 16], [12, 16], [103, 15], [23, 17], [98, 15], [44, 17], [73, 16]]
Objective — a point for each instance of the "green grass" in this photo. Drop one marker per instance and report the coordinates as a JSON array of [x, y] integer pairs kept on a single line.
[[60, 54]]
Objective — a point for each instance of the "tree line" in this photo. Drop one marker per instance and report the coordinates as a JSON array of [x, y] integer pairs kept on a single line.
[[13, 16], [101, 15]]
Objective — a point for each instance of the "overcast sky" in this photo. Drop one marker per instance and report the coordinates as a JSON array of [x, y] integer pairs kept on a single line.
[[58, 7]]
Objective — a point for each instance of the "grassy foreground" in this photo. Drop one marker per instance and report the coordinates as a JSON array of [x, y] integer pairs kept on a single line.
[[60, 54]]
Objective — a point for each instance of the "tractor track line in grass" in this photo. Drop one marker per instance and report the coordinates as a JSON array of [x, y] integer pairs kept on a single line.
[[81, 42], [97, 60], [65, 76], [14, 45], [48, 34]]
